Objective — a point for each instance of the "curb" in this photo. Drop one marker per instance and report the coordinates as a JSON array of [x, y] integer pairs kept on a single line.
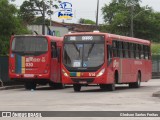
[[156, 94], [11, 87]]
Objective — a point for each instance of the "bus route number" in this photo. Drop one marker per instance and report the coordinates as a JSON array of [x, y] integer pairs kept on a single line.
[[86, 38], [92, 74], [29, 64]]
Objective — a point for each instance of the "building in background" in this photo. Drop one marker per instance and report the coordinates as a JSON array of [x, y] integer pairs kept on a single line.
[[60, 29]]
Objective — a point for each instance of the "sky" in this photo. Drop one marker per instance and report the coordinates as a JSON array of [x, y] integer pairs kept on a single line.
[[87, 9]]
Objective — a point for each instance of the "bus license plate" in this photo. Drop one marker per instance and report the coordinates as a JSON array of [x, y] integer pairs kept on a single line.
[[83, 82], [29, 75]]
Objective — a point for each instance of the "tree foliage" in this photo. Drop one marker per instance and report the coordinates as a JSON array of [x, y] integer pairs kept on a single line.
[[117, 16], [86, 21], [9, 23], [29, 10]]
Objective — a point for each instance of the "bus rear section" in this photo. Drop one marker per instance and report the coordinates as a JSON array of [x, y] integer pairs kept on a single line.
[[30, 60], [93, 58]]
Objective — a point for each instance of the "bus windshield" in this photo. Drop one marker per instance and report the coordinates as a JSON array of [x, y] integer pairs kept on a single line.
[[29, 44], [83, 55]]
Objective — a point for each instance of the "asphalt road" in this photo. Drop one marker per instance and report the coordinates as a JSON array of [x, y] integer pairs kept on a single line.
[[91, 98]]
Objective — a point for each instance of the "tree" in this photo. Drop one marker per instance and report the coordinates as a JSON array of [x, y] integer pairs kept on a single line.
[[32, 8], [117, 16], [86, 21], [9, 23]]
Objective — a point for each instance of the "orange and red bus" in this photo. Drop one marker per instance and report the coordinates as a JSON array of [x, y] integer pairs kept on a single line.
[[35, 59], [105, 59]]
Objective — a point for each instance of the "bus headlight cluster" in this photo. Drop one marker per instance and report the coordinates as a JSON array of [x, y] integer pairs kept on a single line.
[[64, 73], [101, 72]]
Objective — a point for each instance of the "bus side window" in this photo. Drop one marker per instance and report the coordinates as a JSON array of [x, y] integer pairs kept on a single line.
[[117, 47], [147, 52], [123, 49], [137, 51], [114, 49], [134, 50], [120, 49], [131, 50], [126, 49], [53, 50], [109, 54], [141, 53]]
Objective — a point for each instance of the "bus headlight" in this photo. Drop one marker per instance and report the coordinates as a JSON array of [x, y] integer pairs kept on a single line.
[[101, 72], [64, 73]]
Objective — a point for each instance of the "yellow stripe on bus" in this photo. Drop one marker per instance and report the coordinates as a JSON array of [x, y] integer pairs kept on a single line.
[[78, 74], [23, 64]]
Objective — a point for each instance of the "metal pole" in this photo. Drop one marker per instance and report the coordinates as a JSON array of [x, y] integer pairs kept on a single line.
[[132, 27], [50, 13], [43, 16], [97, 14]]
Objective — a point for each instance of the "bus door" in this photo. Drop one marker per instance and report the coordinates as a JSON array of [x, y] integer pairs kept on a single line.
[[109, 63], [55, 62]]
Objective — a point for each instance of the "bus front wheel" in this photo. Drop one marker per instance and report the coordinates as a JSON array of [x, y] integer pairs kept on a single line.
[[77, 87], [111, 87]]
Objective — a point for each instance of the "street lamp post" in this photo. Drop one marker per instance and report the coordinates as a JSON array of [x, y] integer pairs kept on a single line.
[[43, 16], [97, 14], [132, 19], [132, 8]]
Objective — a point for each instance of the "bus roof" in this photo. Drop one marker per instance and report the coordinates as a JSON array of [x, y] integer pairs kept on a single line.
[[113, 36]]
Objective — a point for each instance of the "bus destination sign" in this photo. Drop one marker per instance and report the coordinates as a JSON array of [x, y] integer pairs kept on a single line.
[[87, 38]]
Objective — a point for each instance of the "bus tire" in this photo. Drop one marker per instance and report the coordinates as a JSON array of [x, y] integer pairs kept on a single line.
[[77, 87], [136, 84], [30, 85], [103, 87], [111, 87]]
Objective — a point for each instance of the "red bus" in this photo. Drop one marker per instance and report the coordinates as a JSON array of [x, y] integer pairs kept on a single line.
[[35, 59], [105, 59]]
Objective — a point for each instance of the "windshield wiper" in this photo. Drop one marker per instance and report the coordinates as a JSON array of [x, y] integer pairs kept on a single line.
[[90, 49], [77, 49]]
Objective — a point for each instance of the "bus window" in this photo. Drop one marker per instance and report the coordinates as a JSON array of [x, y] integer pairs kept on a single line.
[[134, 50], [137, 51], [120, 49], [123, 49], [109, 54], [114, 49], [126, 50], [147, 52], [131, 49], [117, 46], [141, 52], [53, 50]]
